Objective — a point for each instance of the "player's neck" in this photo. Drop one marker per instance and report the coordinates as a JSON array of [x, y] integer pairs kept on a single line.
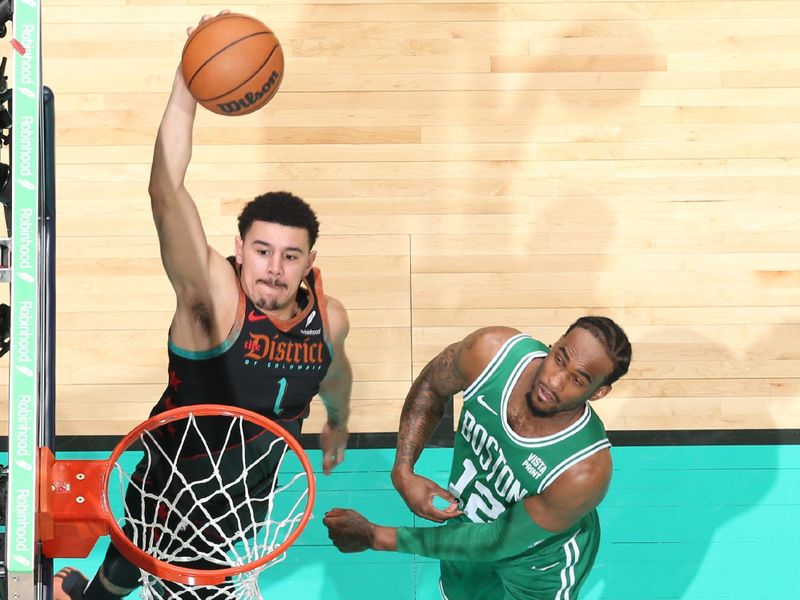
[[285, 313], [290, 311], [526, 421]]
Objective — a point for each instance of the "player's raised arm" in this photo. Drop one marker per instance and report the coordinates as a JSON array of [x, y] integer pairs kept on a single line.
[[194, 269], [451, 371], [184, 249]]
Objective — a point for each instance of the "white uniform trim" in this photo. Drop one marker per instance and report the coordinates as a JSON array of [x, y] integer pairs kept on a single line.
[[548, 440], [498, 358], [441, 590], [572, 552]]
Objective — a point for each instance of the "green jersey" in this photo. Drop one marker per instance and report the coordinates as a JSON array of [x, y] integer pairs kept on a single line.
[[494, 467]]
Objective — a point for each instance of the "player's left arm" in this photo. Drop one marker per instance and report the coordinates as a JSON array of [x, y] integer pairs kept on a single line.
[[334, 390], [537, 518]]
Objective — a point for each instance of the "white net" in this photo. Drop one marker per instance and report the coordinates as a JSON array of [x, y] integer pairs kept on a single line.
[[211, 492]]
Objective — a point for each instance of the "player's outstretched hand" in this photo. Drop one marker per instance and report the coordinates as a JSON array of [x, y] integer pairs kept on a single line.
[[180, 90], [333, 441], [348, 530], [419, 493]]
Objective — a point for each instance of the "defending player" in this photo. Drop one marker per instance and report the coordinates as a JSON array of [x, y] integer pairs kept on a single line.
[[531, 463]]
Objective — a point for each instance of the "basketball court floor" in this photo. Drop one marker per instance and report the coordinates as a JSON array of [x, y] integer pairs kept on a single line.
[[676, 524], [684, 522]]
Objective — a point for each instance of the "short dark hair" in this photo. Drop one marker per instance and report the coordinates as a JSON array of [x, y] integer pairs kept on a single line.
[[614, 342], [282, 208]]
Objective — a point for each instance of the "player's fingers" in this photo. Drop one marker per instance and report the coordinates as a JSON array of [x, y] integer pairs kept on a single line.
[[328, 461], [444, 494], [453, 508], [451, 512], [446, 516], [432, 513], [435, 515], [332, 514], [331, 459], [445, 512]]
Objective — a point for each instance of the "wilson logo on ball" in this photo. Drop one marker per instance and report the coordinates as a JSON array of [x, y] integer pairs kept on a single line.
[[250, 98]]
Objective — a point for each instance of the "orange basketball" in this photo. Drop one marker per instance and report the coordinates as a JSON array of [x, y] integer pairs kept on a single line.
[[232, 64]]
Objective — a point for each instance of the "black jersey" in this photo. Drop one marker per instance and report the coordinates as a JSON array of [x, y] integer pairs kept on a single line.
[[271, 367]]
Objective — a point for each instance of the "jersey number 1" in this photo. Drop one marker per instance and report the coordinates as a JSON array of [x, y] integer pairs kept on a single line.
[[281, 391]]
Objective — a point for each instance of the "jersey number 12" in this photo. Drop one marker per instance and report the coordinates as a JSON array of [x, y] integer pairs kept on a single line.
[[480, 505]]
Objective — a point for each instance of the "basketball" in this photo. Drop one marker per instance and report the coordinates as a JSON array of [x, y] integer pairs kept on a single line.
[[232, 64]]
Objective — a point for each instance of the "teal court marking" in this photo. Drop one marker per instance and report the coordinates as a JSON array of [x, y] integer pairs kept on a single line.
[[679, 523]]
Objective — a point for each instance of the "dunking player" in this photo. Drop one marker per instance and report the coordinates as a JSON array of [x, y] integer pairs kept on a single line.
[[255, 330], [531, 462]]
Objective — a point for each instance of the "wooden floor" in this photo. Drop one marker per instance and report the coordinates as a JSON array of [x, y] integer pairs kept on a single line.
[[472, 163], [679, 523]]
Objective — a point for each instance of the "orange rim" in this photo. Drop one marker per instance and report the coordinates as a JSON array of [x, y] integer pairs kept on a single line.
[[185, 575]]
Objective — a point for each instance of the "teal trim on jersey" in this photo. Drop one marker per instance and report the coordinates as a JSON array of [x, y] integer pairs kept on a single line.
[[203, 354], [493, 364], [219, 349]]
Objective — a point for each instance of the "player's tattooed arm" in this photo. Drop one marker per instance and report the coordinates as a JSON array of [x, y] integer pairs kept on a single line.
[[422, 411], [426, 402], [449, 372]]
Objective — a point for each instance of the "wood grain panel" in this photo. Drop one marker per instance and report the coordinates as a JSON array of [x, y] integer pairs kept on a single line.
[[472, 163]]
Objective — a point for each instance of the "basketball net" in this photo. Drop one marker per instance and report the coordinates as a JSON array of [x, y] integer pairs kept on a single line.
[[199, 508]]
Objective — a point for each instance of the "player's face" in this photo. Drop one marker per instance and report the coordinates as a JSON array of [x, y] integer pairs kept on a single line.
[[572, 373], [274, 259]]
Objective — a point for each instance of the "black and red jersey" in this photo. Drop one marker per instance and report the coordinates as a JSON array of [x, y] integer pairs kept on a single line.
[[270, 367]]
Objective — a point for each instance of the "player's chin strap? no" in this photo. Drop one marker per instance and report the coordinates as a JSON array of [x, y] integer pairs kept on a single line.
[[513, 532]]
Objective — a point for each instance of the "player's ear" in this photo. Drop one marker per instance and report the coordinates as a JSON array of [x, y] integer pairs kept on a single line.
[[239, 247], [311, 256], [600, 392]]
